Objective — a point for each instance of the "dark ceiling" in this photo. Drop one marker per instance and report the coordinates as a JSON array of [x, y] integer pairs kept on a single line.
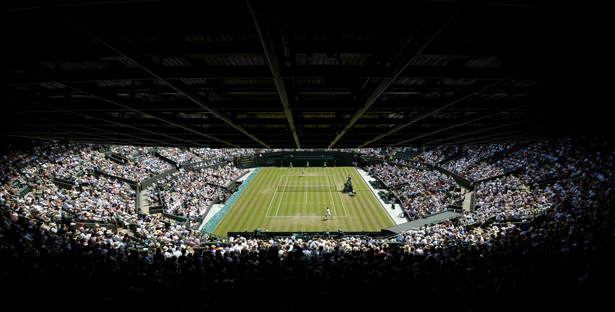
[[295, 74]]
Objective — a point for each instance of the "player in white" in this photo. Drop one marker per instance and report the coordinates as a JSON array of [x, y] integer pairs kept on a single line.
[[328, 213], [302, 172], [307, 164]]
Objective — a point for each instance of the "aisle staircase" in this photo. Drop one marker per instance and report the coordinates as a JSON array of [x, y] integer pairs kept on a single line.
[[144, 203], [467, 201]]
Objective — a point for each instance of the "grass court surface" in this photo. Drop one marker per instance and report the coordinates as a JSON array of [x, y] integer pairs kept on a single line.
[[284, 200]]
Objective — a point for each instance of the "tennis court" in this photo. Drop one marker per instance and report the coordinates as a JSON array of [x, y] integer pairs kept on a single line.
[[295, 199], [306, 195]]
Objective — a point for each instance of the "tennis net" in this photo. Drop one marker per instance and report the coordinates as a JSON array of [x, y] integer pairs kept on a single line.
[[303, 188]]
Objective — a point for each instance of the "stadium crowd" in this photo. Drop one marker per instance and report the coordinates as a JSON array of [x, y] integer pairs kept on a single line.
[[547, 246], [70, 161], [178, 155], [436, 155], [474, 164], [140, 163], [188, 193], [421, 190]]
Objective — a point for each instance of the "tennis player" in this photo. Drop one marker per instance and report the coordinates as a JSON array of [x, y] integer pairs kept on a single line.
[[328, 214]]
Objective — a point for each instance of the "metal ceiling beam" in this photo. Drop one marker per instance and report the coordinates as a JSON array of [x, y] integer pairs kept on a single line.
[[177, 85], [324, 83], [97, 132], [263, 72], [270, 54], [264, 123], [513, 138], [471, 138], [111, 121], [139, 140], [93, 105], [455, 100], [398, 69], [53, 134], [120, 102], [481, 130], [470, 120], [493, 136]]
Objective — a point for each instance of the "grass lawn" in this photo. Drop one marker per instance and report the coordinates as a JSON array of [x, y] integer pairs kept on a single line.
[[301, 205]]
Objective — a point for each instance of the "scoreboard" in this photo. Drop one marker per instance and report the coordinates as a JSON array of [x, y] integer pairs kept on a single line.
[[245, 161]]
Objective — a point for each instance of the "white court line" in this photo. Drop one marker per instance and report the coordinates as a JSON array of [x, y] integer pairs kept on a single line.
[[305, 216], [341, 200], [299, 203], [281, 197], [272, 197], [302, 203], [302, 216], [307, 184], [332, 201]]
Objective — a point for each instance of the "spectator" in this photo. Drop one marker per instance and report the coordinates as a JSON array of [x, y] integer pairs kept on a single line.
[[515, 258]]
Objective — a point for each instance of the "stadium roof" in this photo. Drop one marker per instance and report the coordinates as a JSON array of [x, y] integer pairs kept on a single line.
[[296, 74]]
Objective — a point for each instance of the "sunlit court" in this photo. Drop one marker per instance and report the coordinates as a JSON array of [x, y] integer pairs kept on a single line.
[[296, 199]]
